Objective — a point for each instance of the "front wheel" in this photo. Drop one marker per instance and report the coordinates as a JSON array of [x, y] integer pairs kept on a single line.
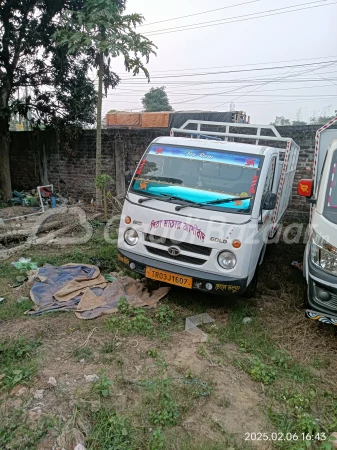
[[251, 290]]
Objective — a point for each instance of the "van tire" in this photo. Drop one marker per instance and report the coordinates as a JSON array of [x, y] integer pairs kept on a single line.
[[251, 289]]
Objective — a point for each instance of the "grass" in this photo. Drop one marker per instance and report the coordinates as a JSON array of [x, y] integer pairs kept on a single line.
[[83, 353], [147, 410], [112, 431], [17, 363], [305, 405], [269, 362], [103, 386], [17, 433], [138, 321]]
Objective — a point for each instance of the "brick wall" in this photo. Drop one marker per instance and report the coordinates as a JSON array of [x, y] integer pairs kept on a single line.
[[304, 136], [71, 165]]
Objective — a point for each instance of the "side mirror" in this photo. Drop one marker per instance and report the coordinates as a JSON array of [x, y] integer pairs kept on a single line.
[[305, 188], [269, 201], [128, 178]]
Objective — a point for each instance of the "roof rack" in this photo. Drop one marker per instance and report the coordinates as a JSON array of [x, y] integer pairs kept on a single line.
[[226, 133]]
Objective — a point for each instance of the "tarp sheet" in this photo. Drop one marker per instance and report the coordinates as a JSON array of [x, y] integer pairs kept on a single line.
[[124, 119], [178, 119], [82, 288], [128, 119], [155, 119], [164, 119]]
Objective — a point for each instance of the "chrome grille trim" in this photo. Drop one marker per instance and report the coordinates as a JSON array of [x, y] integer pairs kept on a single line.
[[184, 246], [183, 257]]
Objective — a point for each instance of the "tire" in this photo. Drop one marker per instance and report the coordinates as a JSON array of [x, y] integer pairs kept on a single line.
[[251, 289]]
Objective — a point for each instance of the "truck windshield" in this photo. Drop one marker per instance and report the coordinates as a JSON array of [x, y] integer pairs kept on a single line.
[[199, 175], [330, 206]]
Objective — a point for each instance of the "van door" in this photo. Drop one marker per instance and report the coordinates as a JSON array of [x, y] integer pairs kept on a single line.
[[269, 186], [260, 237]]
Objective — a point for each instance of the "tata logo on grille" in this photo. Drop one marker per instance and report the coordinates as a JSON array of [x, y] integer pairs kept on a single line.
[[174, 251]]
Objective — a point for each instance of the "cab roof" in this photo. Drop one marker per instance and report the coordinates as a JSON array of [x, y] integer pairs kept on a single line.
[[215, 145]]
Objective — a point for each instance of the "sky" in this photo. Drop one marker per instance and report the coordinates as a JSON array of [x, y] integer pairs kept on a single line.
[[295, 54]]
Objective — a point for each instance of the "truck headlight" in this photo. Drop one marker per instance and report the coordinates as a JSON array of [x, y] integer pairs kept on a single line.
[[323, 254], [131, 236], [227, 260]]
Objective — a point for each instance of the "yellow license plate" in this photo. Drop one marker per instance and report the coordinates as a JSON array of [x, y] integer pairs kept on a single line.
[[168, 277]]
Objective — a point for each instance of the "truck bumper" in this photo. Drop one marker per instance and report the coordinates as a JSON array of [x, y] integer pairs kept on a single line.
[[221, 285], [322, 293], [320, 317]]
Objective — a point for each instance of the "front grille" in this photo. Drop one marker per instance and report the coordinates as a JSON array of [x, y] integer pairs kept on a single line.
[[180, 258], [332, 303], [185, 246]]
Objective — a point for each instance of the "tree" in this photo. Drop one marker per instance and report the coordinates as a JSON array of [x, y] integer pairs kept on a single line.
[[102, 182], [280, 121], [156, 100], [321, 120], [61, 91], [102, 30], [298, 120]]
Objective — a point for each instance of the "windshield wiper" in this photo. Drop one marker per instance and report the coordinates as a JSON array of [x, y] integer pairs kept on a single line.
[[175, 197], [226, 200], [215, 202], [168, 198]]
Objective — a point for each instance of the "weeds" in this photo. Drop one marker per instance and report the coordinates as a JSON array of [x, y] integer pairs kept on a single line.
[[161, 363], [111, 346], [166, 413], [12, 377], [298, 419], [281, 359], [83, 353], [258, 370], [111, 430], [16, 362], [131, 320], [152, 352], [157, 441], [202, 352], [102, 386], [17, 434], [17, 350], [197, 389], [164, 315]]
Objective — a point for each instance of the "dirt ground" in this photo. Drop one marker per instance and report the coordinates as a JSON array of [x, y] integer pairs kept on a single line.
[[15, 211], [276, 374]]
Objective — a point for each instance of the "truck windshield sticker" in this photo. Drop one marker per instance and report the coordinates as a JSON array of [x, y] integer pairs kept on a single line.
[[143, 185], [179, 225], [206, 155], [252, 189], [200, 176]]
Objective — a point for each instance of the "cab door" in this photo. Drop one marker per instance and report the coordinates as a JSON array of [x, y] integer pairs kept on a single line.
[[269, 187]]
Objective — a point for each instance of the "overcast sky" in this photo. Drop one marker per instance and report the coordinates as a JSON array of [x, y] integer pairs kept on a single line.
[[306, 38]]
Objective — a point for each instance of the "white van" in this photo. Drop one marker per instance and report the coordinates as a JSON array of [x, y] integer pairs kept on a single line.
[[320, 257], [198, 211]]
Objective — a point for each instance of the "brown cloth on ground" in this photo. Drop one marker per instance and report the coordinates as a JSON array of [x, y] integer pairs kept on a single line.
[[134, 291], [84, 289]]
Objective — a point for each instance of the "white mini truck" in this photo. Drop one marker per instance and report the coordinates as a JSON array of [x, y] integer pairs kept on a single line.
[[201, 206], [320, 257]]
